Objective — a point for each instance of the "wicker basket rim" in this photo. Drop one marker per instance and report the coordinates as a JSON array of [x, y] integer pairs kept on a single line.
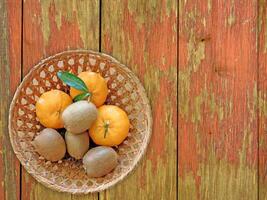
[[137, 159]]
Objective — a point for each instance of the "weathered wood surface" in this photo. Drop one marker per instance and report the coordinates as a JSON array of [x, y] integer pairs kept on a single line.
[[218, 90], [50, 27], [262, 98], [141, 34], [10, 75]]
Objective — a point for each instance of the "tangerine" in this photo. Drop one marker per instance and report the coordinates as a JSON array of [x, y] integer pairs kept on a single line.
[[50, 106], [96, 85], [111, 126]]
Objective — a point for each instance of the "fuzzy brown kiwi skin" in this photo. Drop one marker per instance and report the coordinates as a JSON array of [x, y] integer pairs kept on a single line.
[[50, 144], [100, 161], [77, 144], [79, 116]]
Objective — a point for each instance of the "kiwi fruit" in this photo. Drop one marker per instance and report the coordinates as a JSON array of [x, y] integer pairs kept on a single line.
[[79, 116], [99, 161], [77, 145], [50, 144]]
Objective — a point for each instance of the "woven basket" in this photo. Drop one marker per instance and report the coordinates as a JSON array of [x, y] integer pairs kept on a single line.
[[125, 91]]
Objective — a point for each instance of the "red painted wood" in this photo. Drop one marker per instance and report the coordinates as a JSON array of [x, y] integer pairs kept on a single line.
[[143, 36], [262, 101], [218, 100], [11, 177], [51, 27]]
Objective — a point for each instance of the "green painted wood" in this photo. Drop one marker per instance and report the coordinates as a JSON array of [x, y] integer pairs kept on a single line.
[[218, 128], [49, 27], [143, 35], [262, 101], [10, 65]]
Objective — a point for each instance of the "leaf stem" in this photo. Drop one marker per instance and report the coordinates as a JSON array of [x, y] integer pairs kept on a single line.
[[106, 126], [82, 96]]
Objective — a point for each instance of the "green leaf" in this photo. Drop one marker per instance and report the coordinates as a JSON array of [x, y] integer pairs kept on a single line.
[[81, 96], [72, 81]]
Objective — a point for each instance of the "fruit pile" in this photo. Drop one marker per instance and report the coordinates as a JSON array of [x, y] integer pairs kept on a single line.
[[83, 116]]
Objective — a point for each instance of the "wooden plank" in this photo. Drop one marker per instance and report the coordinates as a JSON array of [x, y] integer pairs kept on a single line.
[[51, 26], [10, 61], [143, 35], [217, 100], [262, 59]]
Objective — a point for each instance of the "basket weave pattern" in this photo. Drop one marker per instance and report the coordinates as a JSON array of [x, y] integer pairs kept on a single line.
[[125, 91]]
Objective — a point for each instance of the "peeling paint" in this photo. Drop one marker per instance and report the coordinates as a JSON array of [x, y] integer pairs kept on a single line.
[[141, 14], [204, 22], [41, 192], [262, 97], [183, 95], [209, 5], [9, 188], [53, 26], [45, 20], [262, 21], [198, 102], [221, 180], [170, 7], [187, 188], [262, 104], [70, 12], [231, 17], [217, 107], [143, 36], [265, 35], [195, 54], [196, 49], [260, 16]]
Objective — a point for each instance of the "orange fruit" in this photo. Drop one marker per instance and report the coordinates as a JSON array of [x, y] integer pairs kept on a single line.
[[96, 85], [111, 126], [50, 106]]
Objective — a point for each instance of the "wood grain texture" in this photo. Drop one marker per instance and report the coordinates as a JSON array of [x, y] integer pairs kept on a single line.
[[49, 27], [10, 63], [262, 58], [143, 35], [217, 100]]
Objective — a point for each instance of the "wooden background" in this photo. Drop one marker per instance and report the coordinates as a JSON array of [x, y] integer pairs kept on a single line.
[[141, 34], [222, 98]]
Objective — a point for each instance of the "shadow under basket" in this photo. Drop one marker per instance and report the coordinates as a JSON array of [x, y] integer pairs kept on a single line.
[[125, 91]]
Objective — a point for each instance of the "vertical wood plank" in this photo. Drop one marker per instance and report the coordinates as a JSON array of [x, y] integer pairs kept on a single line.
[[51, 26], [217, 100], [143, 35], [10, 68], [262, 59]]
